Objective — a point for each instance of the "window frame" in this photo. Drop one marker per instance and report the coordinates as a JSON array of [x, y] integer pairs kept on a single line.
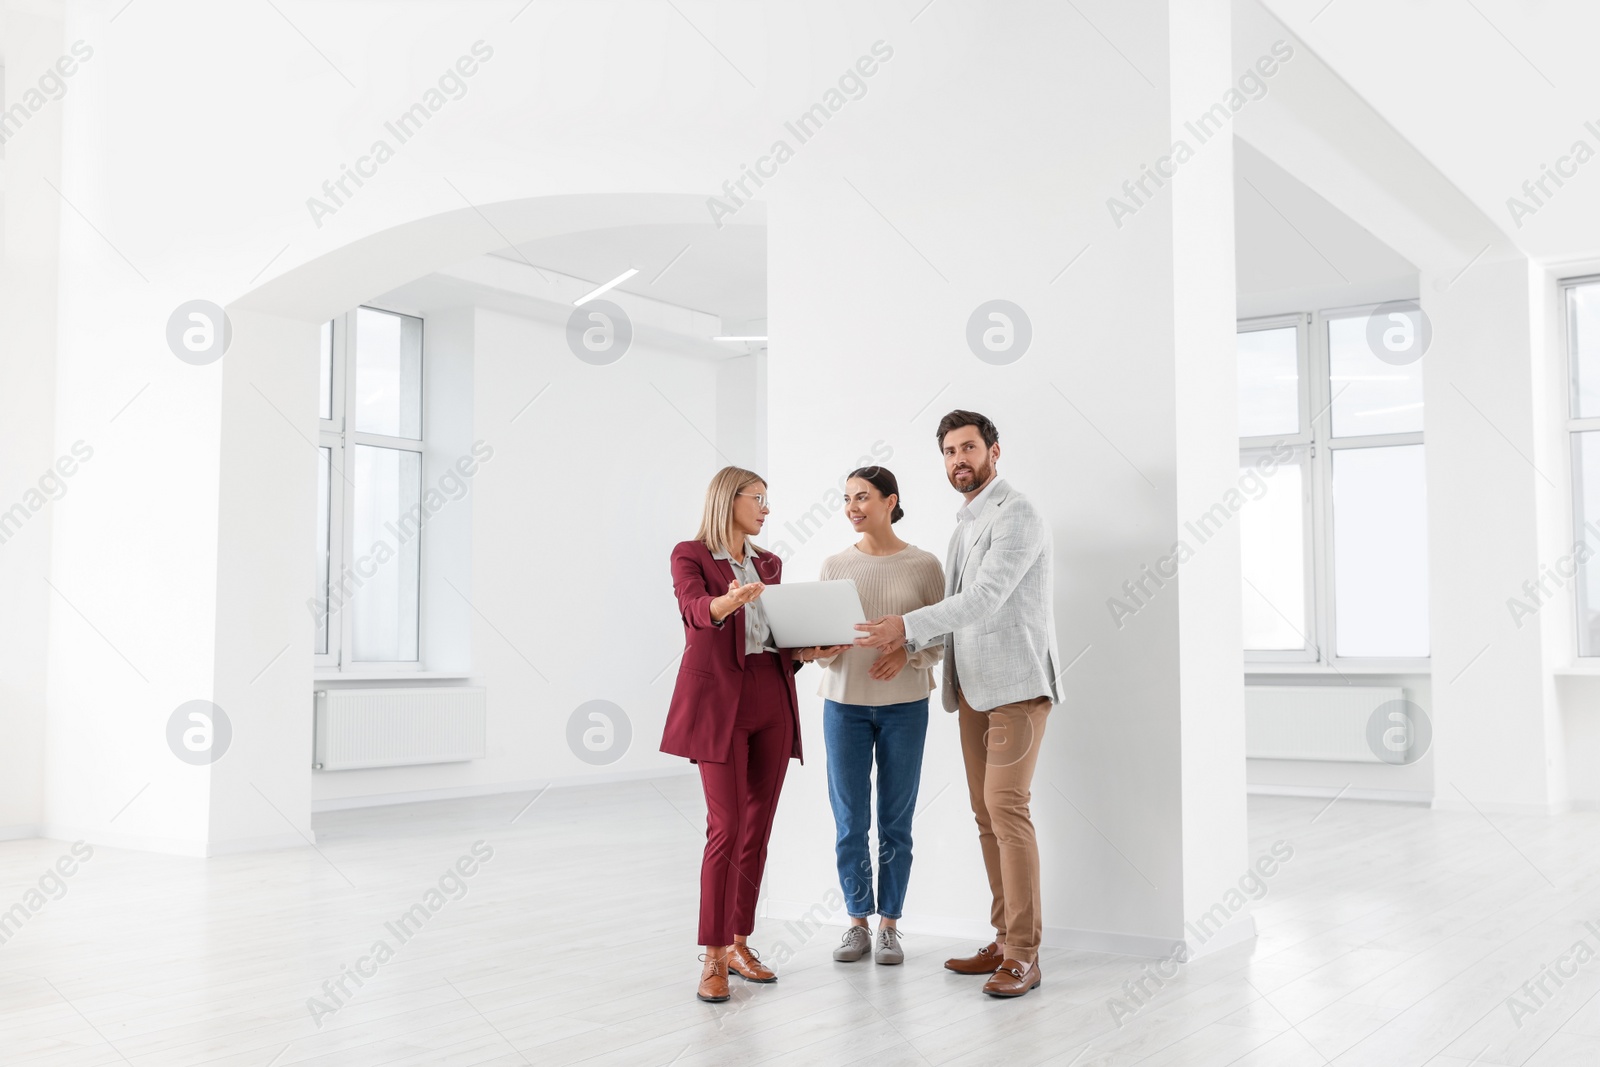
[[1317, 444], [1575, 425], [339, 434], [1301, 449], [1324, 381]]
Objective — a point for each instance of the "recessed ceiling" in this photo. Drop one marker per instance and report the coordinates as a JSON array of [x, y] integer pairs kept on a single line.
[[1291, 243], [1494, 94], [723, 272]]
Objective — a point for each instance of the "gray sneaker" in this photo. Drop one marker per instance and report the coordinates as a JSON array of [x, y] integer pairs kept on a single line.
[[888, 950], [857, 942]]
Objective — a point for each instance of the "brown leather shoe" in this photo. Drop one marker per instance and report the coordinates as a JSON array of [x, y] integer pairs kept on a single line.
[[744, 962], [985, 961], [1013, 979], [713, 978]]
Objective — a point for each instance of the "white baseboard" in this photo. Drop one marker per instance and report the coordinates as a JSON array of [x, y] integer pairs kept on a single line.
[[173, 846], [1328, 792], [533, 785], [1240, 930], [800, 919], [268, 843], [487, 789], [19, 833], [1453, 801], [1444, 800]]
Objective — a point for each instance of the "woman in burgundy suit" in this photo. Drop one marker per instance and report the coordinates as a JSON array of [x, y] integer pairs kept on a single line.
[[733, 712]]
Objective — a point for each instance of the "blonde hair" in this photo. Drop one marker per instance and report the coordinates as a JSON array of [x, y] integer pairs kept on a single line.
[[716, 522]]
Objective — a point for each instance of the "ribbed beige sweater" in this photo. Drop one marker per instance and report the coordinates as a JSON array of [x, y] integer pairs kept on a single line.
[[889, 585]]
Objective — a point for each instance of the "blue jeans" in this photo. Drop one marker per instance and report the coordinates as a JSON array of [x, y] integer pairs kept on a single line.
[[852, 733]]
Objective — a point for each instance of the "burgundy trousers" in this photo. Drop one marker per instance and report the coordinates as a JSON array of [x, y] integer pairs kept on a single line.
[[741, 799]]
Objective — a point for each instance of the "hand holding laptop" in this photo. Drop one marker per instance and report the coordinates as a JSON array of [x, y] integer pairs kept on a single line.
[[814, 652], [884, 634]]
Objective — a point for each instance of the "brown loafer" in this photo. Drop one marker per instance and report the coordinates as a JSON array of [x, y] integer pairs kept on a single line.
[[985, 961], [744, 962], [713, 979], [1013, 979]]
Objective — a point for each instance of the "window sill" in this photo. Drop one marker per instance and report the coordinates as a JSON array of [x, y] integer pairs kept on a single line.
[[318, 677], [1578, 670], [1420, 666]]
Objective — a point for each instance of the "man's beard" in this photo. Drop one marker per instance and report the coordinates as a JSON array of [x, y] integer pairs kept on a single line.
[[980, 475]]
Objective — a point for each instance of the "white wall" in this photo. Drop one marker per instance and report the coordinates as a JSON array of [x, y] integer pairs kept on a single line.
[[28, 276], [1573, 685], [742, 411], [450, 403]]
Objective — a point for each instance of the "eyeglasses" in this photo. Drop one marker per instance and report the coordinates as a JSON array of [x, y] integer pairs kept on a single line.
[[761, 499]]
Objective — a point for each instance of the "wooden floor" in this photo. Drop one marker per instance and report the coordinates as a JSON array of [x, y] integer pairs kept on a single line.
[[1394, 937]]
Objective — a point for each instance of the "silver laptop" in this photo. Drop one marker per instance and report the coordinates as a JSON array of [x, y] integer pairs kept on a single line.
[[802, 614]]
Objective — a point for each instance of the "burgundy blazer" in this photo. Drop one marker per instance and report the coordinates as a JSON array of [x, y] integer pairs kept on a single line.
[[705, 701]]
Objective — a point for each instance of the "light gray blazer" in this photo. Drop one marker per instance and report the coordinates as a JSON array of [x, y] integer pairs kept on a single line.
[[999, 630]]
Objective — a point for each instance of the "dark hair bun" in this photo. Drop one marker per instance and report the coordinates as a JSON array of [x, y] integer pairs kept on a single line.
[[883, 480]]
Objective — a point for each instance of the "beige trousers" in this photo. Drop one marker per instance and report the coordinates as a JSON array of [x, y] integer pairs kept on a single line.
[[1000, 748]]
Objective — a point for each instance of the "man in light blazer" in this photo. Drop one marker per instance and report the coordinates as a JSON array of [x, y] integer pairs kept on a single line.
[[998, 627]]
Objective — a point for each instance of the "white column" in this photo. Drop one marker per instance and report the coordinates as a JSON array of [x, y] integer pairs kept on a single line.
[[1492, 473], [260, 787], [131, 631], [976, 168], [1210, 706]]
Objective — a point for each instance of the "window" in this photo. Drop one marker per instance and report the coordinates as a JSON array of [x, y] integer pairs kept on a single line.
[[1581, 300], [1334, 532], [369, 491]]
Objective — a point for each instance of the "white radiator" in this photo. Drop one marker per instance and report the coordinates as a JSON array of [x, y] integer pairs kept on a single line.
[[398, 727], [1322, 722]]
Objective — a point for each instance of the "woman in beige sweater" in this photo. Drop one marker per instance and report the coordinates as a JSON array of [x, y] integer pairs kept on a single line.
[[877, 706]]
